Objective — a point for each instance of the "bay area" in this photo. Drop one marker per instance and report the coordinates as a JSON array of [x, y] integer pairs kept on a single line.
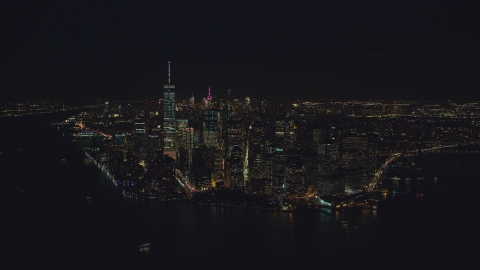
[[60, 213]]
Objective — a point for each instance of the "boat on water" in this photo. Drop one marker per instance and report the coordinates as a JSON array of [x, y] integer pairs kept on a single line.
[[351, 228], [396, 178], [400, 192]]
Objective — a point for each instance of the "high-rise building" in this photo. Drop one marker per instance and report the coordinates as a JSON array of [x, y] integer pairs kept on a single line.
[[181, 143], [106, 110], [285, 133], [169, 123], [210, 128], [373, 148], [294, 175], [354, 161], [191, 145], [181, 133], [153, 143], [235, 153], [279, 159], [192, 101], [141, 140], [318, 139], [257, 153], [329, 168]]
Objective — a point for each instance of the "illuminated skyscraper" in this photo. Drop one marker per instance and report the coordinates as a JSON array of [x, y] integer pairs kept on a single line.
[[235, 152], [192, 101], [141, 140], [191, 144], [181, 133], [209, 96], [210, 128], [257, 153], [278, 171], [285, 133], [169, 124]]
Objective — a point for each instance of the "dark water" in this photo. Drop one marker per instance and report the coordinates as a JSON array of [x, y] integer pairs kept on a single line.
[[48, 222]]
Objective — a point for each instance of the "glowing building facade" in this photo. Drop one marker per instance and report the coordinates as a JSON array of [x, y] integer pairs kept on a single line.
[[169, 123]]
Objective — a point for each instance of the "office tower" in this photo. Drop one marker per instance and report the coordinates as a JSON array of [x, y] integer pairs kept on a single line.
[[169, 123], [294, 175], [234, 113], [279, 158], [201, 173], [210, 128], [181, 143], [290, 135], [153, 143], [354, 161], [119, 110], [114, 151], [235, 167], [141, 140], [257, 150], [120, 141], [235, 153], [247, 101], [181, 126], [318, 138], [329, 168], [204, 104], [106, 111], [257, 137], [191, 145], [373, 148], [192, 101], [285, 133], [257, 166], [218, 169], [333, 134]]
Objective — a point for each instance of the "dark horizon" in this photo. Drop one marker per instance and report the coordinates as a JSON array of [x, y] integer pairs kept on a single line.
[[316, 50]]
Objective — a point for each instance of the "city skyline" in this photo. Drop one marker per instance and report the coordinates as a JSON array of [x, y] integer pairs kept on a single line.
[[308, 50], [136, 182]]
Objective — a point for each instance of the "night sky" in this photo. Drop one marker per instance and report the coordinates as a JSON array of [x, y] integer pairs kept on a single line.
[[305, 49]]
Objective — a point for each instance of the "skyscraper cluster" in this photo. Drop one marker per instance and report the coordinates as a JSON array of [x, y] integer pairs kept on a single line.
[[281, 148]]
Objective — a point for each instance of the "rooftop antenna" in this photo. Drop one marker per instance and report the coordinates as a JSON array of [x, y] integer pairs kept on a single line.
[[168, 71]]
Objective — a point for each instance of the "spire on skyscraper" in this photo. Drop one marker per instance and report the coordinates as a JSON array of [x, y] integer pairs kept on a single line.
[[209, 97], [168, 71]]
